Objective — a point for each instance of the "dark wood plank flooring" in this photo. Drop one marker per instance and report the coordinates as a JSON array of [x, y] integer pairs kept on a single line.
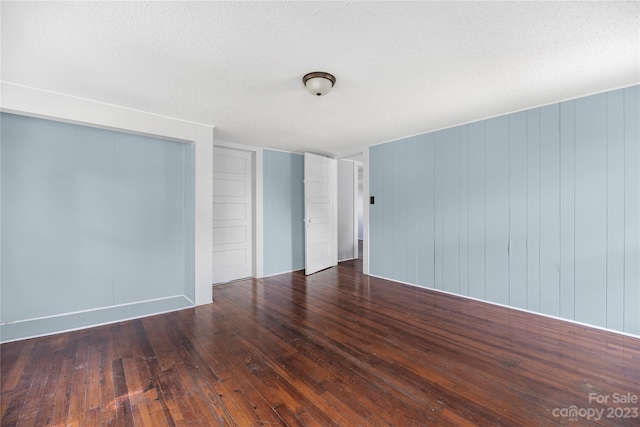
[[335, 348]]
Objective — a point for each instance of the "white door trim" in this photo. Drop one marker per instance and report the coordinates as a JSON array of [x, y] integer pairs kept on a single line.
[[345, 183], [365, 211]]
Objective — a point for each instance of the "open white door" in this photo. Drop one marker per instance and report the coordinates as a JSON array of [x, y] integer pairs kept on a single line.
[[319, 213]]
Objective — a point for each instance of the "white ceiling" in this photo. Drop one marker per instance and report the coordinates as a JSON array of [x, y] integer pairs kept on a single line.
[[401, 68]]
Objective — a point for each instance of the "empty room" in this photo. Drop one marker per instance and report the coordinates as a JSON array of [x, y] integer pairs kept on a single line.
[[334, 213]]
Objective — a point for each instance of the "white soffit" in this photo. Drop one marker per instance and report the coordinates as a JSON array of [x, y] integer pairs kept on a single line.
[[401, 68]]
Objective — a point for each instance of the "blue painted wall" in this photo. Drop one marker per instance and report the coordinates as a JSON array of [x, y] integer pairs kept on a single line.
[[537, 210], [92, 218], [189, 235], [283, 175]]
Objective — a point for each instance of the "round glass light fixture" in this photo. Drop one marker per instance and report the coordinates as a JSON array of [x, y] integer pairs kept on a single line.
[[318, 82]]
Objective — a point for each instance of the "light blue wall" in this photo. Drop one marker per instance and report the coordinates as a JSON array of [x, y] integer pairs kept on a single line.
[[91, 219], [189, 200], [283, 215], [537, 210]]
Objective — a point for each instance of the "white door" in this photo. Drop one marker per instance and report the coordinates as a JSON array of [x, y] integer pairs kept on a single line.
[[319, 213], [232, 209]]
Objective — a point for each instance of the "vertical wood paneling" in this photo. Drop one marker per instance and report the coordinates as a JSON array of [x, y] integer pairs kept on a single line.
[[420, 214], [438, 189], [426, 254], [451, 210], [414, 212], [549, 210], [567, 209], [497, 209], [536, 210], [476, 211], [632, 210], [464, 210], [386, 206], [399, 211], [518, 210], [591, 209], [533, 209], [615, 210]]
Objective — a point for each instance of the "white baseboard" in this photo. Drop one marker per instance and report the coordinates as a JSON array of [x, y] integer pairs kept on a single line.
[[49, 325], [282, 272], [615, 331]]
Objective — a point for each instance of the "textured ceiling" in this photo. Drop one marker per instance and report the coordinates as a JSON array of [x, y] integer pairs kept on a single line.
[[401, 68]]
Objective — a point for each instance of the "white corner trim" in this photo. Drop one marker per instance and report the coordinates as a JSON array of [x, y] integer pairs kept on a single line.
[[365, 212], [47, 104]]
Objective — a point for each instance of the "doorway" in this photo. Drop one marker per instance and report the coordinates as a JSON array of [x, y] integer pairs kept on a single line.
[[350, 208]]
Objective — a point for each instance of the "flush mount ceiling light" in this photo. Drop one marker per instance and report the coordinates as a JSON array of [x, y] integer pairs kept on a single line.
[[319, 83]]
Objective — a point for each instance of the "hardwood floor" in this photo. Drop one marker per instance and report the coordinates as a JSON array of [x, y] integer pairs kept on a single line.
[[335, 348]]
